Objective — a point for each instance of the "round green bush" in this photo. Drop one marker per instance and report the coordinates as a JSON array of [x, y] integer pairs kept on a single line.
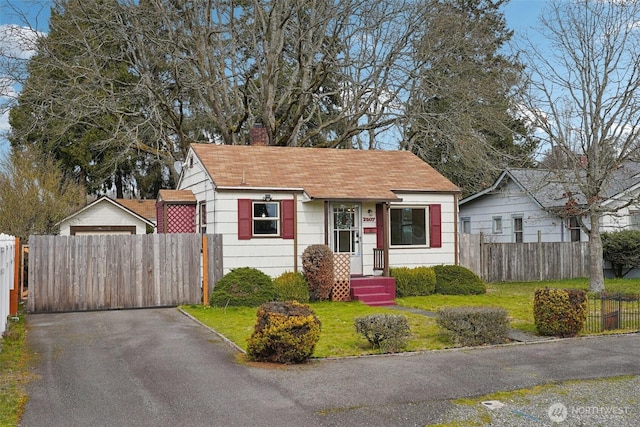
[[413, 281], [458, 280], [243, 286], [286, 332], [559, 312], [291, 286]]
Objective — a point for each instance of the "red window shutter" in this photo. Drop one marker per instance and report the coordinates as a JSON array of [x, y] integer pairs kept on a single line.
[[379, 226], [435, 226], [244, 219], [288, 219]]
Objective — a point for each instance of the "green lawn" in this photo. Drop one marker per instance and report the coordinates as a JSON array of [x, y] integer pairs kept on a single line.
[[339, 339], [515, 297], [13, 374]]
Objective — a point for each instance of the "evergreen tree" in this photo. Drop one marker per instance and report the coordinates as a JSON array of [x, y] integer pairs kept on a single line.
[[75, 106], [459, 115]]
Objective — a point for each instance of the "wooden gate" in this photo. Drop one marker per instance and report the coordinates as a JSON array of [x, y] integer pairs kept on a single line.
[[104, 272]]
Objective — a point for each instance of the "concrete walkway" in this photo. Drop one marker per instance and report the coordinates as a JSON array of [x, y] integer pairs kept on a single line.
[[160, 368]]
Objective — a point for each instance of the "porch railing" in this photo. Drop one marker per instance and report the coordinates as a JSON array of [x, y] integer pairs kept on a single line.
[[378, 259]]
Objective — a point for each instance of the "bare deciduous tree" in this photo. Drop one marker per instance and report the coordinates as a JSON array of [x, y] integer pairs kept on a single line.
[[137, 81], [34, 194], [585, 100]]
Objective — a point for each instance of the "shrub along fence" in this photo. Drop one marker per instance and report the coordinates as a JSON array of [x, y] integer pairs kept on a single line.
[[612, 311], [102, 272], [523, 262]]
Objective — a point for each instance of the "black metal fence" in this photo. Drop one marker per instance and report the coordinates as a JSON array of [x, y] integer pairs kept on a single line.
[[613, 311]]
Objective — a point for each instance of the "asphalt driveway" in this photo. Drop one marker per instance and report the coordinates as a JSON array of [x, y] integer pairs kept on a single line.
[[160, 368]]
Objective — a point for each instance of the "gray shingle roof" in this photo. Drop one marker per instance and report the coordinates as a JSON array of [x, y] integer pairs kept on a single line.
[[550, 188]]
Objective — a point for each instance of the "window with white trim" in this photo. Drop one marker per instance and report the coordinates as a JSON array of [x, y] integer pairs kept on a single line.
[[408, 226], [634, 220], [465, 225], [573, 224], [497, 225], [518, 229], [202, 218], [266, 218]]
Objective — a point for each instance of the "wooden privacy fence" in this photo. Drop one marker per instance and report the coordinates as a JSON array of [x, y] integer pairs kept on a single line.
[[524, 262], [102, 272]]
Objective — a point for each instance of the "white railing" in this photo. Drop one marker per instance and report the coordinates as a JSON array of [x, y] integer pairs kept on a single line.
[[7, 275]]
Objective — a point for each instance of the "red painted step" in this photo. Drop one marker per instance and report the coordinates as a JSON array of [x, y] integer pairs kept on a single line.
[[374, 290]]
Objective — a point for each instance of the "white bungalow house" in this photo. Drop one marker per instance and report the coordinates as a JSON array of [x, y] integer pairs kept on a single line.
[[108, 216], [383, 208], [525, 203]]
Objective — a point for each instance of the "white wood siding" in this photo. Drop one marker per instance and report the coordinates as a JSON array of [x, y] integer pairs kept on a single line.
[[421, 256], [103, 214], [275, 255], [508, 203]]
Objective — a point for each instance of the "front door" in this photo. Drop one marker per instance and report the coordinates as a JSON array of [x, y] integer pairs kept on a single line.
[[346, 232]]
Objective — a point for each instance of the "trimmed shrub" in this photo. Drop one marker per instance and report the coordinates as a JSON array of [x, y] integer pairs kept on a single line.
[[243, 287], [285, 332], [291, 286], [472, 326], [388, 332], [622, 250], [559, 312], [317, 264], [414, 281], [458, 280]]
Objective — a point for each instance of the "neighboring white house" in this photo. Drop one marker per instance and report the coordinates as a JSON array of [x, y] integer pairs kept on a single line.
[[270, 203], [525, 202], [109, 216]]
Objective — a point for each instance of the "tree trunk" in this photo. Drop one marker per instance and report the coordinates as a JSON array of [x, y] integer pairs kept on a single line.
[[596, 263]]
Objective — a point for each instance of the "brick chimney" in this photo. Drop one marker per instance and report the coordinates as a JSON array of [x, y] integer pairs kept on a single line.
[[258, 135]]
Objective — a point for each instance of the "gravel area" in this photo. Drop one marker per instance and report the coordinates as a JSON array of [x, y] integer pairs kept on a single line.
[[604, 402]]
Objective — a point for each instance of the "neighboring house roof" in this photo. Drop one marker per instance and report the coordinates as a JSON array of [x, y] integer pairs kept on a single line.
[[548, 188], [176, 196], [105, 199], [322, 173], [144, 208]]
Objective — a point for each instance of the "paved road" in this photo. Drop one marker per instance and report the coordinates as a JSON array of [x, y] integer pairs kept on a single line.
[[160, 368]]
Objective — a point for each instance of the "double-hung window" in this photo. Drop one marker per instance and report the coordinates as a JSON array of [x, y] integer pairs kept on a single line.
[[261, 218], [266, 218], [573, 224], [518, 229]]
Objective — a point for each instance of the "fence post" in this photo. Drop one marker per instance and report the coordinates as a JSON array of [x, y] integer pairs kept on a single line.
[[484, 270], [13, 293], [540, 275], [205, 271]]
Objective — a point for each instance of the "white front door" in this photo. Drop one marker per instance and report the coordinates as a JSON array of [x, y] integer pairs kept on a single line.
[[346, 231]]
